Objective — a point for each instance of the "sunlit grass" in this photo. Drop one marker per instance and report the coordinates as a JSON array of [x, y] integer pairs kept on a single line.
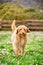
[[33, 52]]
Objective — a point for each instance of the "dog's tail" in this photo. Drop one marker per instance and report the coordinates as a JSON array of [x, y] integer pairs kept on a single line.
[[13, 26]]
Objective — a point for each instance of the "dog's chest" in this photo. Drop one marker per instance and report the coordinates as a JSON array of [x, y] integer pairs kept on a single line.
[[22, 41]]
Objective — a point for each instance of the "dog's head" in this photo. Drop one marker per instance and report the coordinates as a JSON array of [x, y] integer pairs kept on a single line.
[[22, 30]]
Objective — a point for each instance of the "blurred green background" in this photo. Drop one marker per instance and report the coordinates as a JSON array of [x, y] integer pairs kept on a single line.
[[10, 11]]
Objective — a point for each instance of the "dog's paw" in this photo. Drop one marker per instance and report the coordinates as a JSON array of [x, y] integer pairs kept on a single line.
[[22, 54]]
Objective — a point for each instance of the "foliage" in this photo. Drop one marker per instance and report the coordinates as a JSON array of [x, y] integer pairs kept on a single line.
[[10, 11], [33, 52], [29, 10]]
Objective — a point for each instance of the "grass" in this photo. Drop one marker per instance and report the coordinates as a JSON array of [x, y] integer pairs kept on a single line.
[[11, 11], [33, 52]]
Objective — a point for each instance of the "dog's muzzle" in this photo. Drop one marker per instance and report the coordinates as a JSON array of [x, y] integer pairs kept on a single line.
[[23, 34]]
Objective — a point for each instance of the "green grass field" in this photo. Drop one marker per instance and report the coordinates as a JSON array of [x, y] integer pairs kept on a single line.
[[33, 52]]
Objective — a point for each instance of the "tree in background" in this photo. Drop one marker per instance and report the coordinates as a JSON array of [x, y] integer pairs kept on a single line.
[[41, 4]]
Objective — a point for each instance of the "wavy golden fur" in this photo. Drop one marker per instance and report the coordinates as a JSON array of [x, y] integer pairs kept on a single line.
[[19, 38]]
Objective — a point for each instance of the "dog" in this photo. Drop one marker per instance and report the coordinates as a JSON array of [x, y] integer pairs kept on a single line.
[[19, 38]]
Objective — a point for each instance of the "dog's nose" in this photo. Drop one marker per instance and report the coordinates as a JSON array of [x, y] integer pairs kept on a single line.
[[23, 34]]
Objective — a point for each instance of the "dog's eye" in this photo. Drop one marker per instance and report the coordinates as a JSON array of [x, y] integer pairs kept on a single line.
[[20, 29], [24, 29]]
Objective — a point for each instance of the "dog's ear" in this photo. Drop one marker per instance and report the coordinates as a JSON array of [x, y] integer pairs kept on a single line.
[[17, 31], [28, 31]]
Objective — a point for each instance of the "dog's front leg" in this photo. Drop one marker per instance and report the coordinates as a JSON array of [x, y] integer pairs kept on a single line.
[[16, 52], [22, 52]]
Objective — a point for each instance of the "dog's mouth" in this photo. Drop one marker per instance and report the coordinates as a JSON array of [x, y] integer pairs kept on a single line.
[[22, 35]]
